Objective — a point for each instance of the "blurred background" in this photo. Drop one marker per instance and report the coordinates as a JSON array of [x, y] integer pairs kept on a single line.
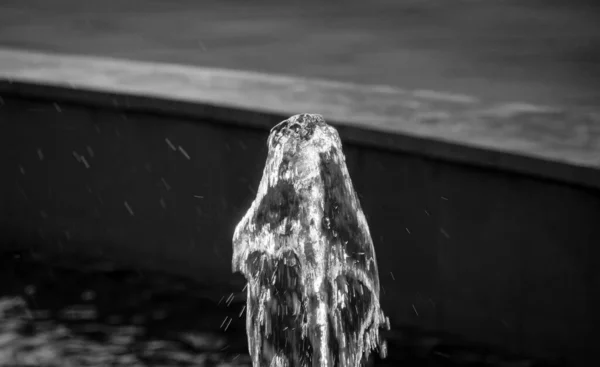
[[539, 51]]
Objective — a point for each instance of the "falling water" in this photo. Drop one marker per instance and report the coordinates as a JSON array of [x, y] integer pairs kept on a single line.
[[305, 249]]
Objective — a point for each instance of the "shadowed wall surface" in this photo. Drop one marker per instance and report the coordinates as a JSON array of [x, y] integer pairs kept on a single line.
[[497, 257]]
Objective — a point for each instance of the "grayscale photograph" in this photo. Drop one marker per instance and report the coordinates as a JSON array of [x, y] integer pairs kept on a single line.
[[316, 183]]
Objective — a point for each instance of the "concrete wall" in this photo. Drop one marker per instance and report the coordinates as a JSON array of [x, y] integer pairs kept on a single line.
[[495, 256]]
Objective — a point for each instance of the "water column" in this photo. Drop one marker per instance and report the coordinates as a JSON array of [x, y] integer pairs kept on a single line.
[[305, 249]]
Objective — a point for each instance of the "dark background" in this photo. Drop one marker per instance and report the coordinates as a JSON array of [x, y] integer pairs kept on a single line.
[[498, 258]]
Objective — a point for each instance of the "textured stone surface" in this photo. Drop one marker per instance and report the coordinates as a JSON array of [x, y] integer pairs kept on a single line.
[[304, 246], [548, 141]]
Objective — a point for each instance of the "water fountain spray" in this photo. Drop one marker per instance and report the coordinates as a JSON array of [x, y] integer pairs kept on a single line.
[[305, 249]]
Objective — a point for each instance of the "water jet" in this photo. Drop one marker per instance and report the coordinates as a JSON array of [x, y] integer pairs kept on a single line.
[[305, 249]]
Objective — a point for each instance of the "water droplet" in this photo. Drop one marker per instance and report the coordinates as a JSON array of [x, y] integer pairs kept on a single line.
[[30, 290], [184, 152], [129, 209], [90, 151], [88, 295], [170, 144]]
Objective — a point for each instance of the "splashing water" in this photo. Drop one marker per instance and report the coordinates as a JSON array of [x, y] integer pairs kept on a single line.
[[305, 249]]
